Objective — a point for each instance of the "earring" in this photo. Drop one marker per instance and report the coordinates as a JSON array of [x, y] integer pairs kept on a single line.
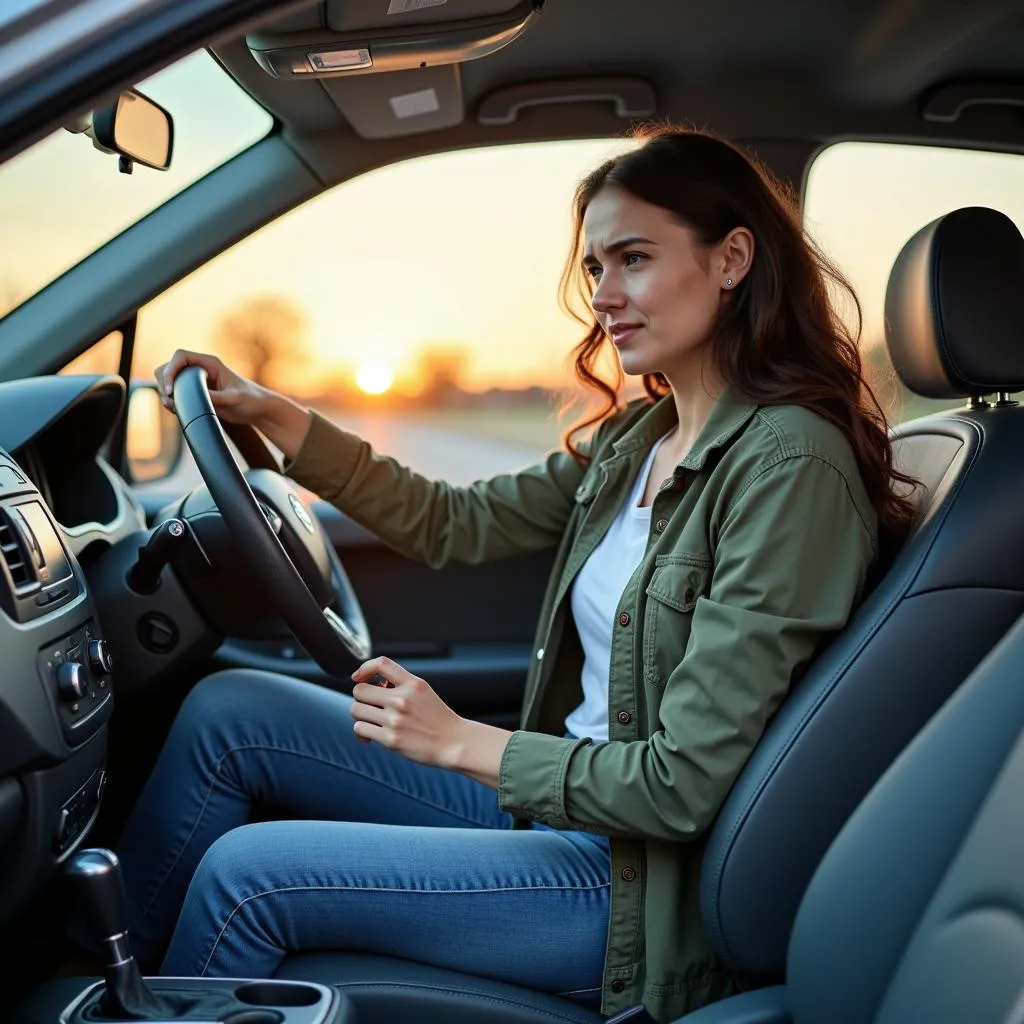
[[728, 282]]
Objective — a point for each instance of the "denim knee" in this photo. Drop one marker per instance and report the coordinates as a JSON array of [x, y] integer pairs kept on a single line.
[[214, 694], [205, 701], [208, 724], [224, 869], [223, 701]]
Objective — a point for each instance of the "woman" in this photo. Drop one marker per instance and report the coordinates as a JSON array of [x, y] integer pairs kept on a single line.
[[709, 537]]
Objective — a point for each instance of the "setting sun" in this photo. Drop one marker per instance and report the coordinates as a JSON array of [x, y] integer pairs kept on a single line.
[[374, 378]]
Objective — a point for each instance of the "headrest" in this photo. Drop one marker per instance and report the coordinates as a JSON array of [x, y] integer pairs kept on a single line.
[[954, 307]]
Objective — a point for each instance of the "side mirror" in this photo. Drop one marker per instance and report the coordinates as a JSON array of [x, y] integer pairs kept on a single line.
[[137, 129], [153, 439]]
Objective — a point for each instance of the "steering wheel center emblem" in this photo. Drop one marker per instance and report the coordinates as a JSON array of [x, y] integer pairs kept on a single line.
[[300, 512]]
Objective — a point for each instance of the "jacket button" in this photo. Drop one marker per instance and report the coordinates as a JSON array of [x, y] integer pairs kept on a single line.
[[688, 596], [625, 717], [618, 985], [628, 874], [623, 619], [540, 653], [661, 525]]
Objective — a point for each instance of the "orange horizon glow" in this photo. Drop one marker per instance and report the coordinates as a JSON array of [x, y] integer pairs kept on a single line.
[[466, 261]]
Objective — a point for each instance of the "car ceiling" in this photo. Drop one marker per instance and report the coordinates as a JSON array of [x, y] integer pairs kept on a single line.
[[785, 76]]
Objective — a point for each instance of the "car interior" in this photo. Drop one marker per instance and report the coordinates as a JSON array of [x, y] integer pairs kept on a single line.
[[867, 865]]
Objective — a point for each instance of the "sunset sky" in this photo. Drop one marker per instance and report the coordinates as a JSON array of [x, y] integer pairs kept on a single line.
[[462, 249]]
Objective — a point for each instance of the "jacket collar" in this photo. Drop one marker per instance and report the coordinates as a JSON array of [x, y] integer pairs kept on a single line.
[[729, 416]]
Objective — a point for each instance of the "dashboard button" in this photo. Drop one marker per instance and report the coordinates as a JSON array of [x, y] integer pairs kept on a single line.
[[71, 681], [100, 660]]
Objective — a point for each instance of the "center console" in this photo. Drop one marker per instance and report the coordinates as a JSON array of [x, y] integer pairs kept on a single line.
[[204, 1001], [124, 996], [76, 669], [221, 1001]]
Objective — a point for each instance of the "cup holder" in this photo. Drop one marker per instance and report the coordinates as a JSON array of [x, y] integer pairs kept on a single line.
[[276, 993]]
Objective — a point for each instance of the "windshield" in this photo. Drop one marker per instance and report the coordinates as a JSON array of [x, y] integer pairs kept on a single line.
[[63, 199]]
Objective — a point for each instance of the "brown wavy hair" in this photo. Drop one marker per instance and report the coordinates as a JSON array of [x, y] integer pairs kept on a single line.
[[777, 338]]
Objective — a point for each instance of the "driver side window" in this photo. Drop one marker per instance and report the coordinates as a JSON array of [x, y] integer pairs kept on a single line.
[[416, 305]]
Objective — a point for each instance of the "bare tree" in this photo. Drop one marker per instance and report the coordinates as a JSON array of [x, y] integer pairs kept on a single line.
[[264, 331], [440, 367]]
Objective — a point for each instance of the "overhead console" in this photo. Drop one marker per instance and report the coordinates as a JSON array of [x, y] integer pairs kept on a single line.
[[390, 35], [391, 67]]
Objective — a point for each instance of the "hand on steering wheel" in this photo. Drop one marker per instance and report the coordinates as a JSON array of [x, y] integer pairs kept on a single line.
[[238, 400], [310, 592]]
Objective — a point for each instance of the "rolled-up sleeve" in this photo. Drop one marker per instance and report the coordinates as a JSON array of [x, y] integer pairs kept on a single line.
[[791, 560]]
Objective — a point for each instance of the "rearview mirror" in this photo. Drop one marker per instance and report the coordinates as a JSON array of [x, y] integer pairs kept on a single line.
[[137, 129]]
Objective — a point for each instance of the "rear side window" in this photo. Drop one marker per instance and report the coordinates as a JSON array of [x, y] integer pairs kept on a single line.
[[864, 200]]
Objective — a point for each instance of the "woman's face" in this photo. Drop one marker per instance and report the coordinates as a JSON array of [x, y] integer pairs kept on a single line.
[[656, 292]]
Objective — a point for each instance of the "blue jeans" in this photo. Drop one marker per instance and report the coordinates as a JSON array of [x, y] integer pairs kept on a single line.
[[381, 854]]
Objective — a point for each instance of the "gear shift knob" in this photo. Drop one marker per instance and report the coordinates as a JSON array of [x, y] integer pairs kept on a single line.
[[95, 876]]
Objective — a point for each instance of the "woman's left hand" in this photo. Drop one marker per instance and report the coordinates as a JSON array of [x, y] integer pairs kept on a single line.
[[403, 713]]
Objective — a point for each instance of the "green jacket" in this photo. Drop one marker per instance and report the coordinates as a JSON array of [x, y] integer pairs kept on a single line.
[[760, 545]]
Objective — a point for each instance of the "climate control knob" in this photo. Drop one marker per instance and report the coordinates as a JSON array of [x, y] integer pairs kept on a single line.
[[100, 660], [72, 684]]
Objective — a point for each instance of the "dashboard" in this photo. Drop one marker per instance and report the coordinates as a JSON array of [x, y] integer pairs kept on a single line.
[[55, 429], [62, 507], [95, 607]]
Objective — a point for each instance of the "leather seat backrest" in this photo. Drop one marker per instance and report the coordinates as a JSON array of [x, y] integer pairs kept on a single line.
[[916, 912], [955, 327]]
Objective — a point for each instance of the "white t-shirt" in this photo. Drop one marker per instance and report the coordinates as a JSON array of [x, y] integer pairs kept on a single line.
[[596, 593]]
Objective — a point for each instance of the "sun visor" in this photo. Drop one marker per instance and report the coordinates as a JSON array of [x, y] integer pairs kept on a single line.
[[392, 35]]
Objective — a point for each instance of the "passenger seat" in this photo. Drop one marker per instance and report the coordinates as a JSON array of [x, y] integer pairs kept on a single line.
[[916, 914]]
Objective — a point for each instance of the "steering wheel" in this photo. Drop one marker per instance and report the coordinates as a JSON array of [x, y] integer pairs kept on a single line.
[[303, 577]]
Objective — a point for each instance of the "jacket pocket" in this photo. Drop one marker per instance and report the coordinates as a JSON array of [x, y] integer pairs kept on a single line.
[[678, 582]]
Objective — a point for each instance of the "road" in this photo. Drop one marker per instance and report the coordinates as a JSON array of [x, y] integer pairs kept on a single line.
[[441, 452]]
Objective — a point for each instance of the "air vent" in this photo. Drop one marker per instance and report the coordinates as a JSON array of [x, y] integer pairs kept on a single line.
[[13, 555]]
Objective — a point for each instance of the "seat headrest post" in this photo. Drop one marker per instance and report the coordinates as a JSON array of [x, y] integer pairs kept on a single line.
[[954, 322], [977, 402], [1004, 398]]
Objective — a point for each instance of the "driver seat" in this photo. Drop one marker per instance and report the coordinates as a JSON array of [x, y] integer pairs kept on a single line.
[[955, 329]]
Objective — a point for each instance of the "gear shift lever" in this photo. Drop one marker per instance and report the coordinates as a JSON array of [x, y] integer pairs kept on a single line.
[[95, 876]]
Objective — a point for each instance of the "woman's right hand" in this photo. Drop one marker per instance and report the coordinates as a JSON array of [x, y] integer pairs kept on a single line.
[[237, 399]]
